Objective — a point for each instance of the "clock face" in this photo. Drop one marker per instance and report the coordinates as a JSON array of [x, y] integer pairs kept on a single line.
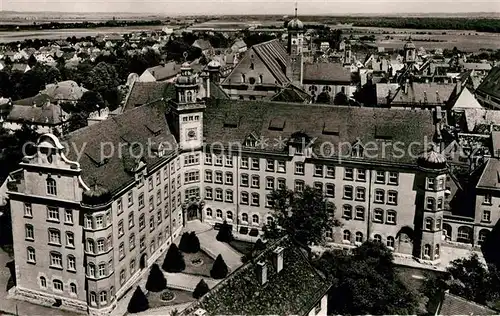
[[191, 134]]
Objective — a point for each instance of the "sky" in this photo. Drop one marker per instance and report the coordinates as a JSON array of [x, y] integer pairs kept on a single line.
[[214, 7]]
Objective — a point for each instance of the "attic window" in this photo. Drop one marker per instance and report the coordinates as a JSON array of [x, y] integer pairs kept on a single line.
[[232, 120], [330, 129], [154, 129], [97, 161], [357, 150], [277, 124], [385, 132]]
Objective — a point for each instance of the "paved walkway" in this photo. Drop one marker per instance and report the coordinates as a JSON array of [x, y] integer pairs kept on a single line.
[[187, 282], [212, 247]]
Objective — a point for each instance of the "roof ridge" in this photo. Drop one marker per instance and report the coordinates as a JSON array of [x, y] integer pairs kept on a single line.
[[468, 301]]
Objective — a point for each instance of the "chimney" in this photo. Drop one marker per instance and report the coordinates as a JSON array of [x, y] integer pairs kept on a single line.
[[278, 259], [262, 272], [208, 87], [406, 86]]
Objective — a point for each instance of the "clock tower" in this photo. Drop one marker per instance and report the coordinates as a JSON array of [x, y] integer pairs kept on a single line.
[[186, 111]]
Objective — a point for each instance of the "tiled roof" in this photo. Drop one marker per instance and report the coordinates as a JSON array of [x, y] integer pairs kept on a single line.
[[48, 114], [383, 90], [333, 125], [295, 290], [455, 305], [216, 91], [424, 93], [65, 90], [476, 117], [490, 177], [38, 99], [274, 55], [491, 84], [327, 72], [167, 71], [202, 44], [136, 125], [477, 66], [292, 94], [145, 92]]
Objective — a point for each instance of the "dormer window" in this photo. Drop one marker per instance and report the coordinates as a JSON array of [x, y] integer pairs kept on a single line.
[[243, 78], [261, 78], [250, 142], [357, 151], [299, 150], [252, 66], [189, 96], [182, 97]]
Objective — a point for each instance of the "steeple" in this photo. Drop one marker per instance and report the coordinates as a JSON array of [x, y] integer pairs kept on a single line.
[[295, 9]]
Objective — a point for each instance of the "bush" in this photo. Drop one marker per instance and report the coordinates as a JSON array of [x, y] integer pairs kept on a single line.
[[139, 302], [156, 280], [200, 289], [194, 243], [254, 232], [167, 296], [219, 269], [243, 230], [184, 242], [259, 245], [174, 260], [225, 233], [247, 257]]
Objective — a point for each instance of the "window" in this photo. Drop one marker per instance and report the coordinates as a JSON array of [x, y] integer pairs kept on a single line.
[[347, 211], [299, 168], [270, 183], [72, 287], [348, 174], [255, 219], [151, 223], [158, 197], [218, 213], [430, 204], [436, 252], [329, 234], [29, 232], [121, 250], [218, 160], [100, 246], [244, 197], [122, 279], [430, 184], [244, 180], [393, 178], [318, 170], [150, 184], [142, 241], [483, 234], [330, 190], [43, 282], [55, 260], [255, 164], [270, 165], [142, 221], [141, 200], [70, 239], [192, 176], [99, 221], [131, 220], [51, 186], [427, 250], [390, 242], [255, 199], [103, 297], [165, 191], [31, 257], [208, 193], [438, 223], [101, 270], [487, 199], [330, 171], [120, 228], [360, 194], [244, 217], [208, 176], [218, 194], [218, 177], [380, 177], [486, 216], [360, 213], [299, 186], [244, 163], [392, 197], [209, 212], [359, 237], [71, 263], [28, 210], [68, 216], [53, 213], [281, 166], [378, 215], [229, 196], [132, 266], [255, 181], [54, 236], [318, 186], [158, 216], [348, 192], [379, 196], [347, 236], [193, 159], [377, 238], [391, 217], [90, 246], [58, 285], [440, 204], [130, 198], [229, 178], [229, 215], [429, 223], [281, 183]]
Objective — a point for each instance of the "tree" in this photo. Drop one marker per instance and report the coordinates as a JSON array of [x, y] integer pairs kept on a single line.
[[194, 243], [184, 242], [174, 260], [361, 286], [200, 289], [259, 245], [323, 98], [219, 269], [156, 280], [139, 302], [306, 215], [225, 233], [340, 99], [90, 102]]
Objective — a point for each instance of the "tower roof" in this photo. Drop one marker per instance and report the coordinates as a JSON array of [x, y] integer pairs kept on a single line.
[[295, 24], [409, 45], [432, 160], [187, 78]]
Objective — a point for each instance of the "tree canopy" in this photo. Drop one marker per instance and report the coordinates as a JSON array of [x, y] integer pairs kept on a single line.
[[139, 302], [156, 280]]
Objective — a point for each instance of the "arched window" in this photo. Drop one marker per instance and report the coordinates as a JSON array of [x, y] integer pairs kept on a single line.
[[347, 236], [429, 223], [71, 262], [359, 237], [252, 66], [377, 237], [447, 231], [483, 234], [51, 186], [430, 204], [255, 219], [101, 271], [43, 282], [91, 270], [229, 215], [438, 223], [189, 96], [29, 232], [209, 212], [218, 213], [260, 78], [243, 78], [72, 287], [391, 217], [90, 246], [244, 217], [427, 250], [251, 80], [93, 298], [436, 252], [31, 257], [58, 285], [182, 97], [464, 234], [390, 242]]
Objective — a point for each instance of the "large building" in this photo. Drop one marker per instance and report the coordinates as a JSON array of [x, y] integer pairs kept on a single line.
[[108, 204]]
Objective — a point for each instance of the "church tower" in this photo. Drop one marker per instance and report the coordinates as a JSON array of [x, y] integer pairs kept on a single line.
[[410, 52], [295, 45], [186, 112], [347, 53]]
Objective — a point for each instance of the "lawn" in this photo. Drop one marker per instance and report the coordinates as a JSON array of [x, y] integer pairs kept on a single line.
[[243, 247], [203, 269], [181, 297]]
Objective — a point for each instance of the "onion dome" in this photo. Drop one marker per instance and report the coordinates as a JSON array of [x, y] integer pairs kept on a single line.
[[409, 45], [432, 160], [295, 25], [186, 78], [96, 195], [214, 64]]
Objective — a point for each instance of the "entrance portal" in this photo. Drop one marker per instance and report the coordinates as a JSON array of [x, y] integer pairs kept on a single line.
[[192, 212], [142, 262]]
